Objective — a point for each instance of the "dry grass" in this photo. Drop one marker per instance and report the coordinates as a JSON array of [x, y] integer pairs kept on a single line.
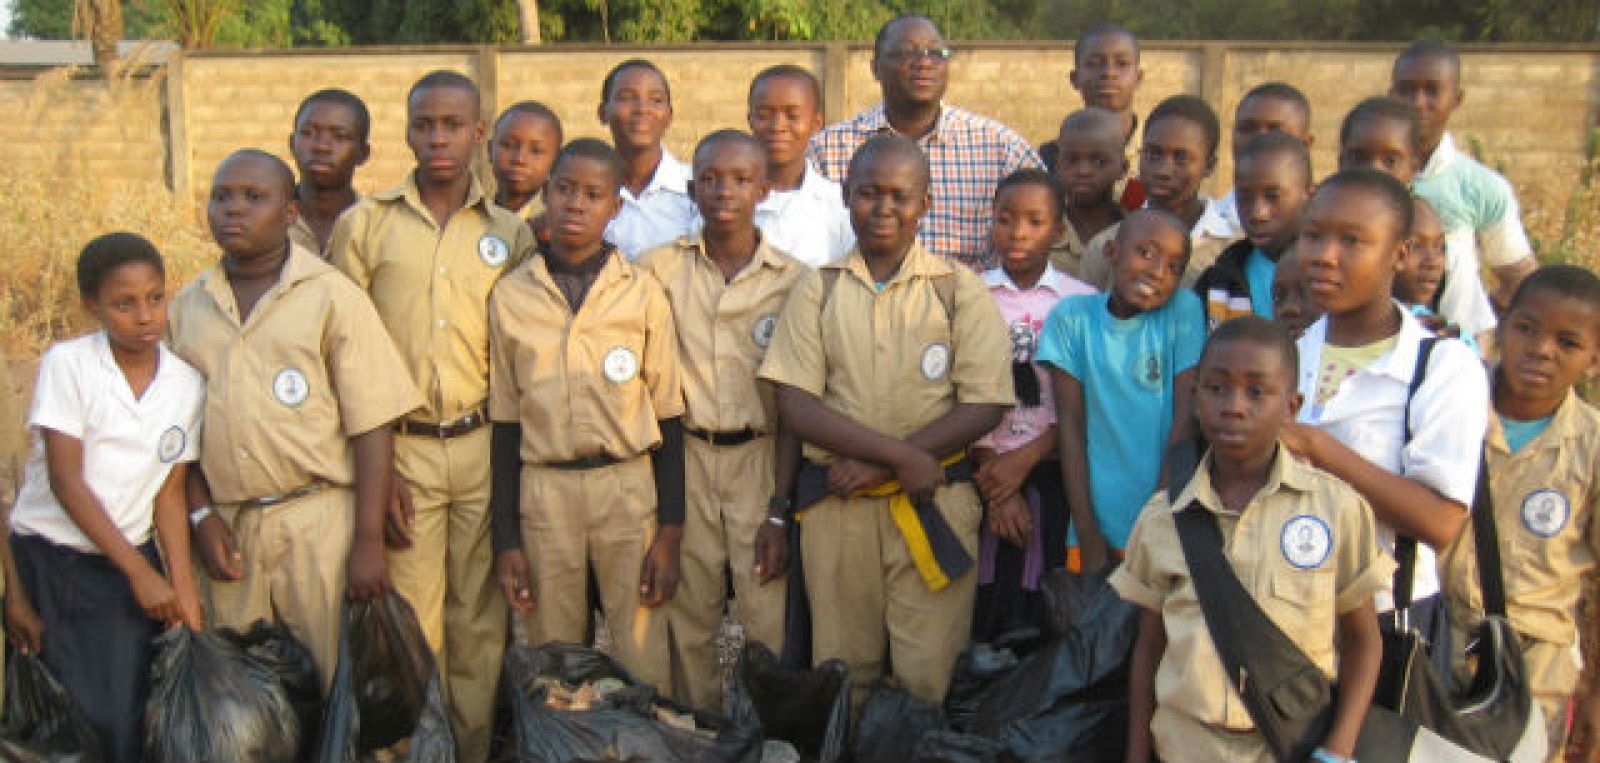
[[55, 203]]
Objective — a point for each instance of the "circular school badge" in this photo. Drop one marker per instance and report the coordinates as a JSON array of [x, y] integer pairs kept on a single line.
[[493, 250], [290, 387], [1545, 512], [170, 446], [761, 332], [620, 365], [935, 361], [1306, 541]]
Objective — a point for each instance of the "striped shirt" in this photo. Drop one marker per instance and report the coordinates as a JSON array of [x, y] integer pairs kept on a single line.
[[969, 155]]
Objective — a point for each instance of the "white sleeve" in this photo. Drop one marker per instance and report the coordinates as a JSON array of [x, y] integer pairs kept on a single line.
[[1449, 417], [57, 400], [1504, 242]]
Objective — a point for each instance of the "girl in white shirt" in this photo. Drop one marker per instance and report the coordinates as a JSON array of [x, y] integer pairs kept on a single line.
[[114, 423]]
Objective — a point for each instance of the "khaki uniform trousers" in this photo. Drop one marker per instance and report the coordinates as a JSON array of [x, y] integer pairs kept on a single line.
[[604, 519], [447, 575], [1179, 738], [868, 603], [294, 571], [727, 491]]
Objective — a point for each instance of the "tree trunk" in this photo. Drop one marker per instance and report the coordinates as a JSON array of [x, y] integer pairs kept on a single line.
[[528, 15], [101, 22]]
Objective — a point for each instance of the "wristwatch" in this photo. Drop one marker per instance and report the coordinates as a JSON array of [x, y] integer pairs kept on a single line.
[[199, 515], [780, 503]]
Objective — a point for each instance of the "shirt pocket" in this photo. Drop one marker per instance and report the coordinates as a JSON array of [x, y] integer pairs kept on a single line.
[[1302, 603]]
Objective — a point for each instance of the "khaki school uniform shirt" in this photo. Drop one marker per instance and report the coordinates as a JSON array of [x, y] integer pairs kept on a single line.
[[310, 368], [585, 384], [892, 359], [431, 285], [1305, 547], [724, 328], [1544, 507], [1068, 252]]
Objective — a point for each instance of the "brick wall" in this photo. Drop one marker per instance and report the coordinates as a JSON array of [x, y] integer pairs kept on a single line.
[[1531, 109]]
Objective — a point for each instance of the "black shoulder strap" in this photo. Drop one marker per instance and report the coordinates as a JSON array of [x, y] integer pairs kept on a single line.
[[1287, 695], [1405, 548], [1486, 543]]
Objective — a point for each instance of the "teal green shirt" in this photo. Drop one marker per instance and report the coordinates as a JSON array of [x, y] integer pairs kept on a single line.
[[1258, 271], [1520, 433]]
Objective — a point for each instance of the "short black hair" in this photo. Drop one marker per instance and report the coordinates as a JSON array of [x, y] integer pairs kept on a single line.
[[883, 31], [1566, 281], [590, 148], [108, 252], [444, 78], [1036, 177], [1390, 191], [1384, 107], [889, 145], [1102, 29], [1263, 333], [1434, 49], [730, 136], [1193, 109], [1090, 118], [790, 71], [1161, 217], [1274, 143], [610, 82], [1281, 91], [533, 109], [279, 167], [339, 97]]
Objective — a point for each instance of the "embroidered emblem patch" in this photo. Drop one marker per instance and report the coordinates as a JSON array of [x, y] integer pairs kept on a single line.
[[171, 444], [761, 332], [1306, 541], [620, 365], [290, 387], [1545, 512], [493, 250], [935, 361]]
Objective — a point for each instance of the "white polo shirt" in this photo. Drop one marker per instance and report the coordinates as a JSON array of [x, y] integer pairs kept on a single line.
[[810, 223], [129, 445], [658, 215], [1449, 417]]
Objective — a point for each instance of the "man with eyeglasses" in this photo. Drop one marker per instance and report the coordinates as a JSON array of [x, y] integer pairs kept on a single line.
[[969, 153]]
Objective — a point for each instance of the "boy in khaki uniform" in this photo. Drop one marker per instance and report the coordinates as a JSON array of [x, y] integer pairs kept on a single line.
[[1544, 479], [587, 451], [302, 387], [328, 143], [726, 287], [428, 253], [888, 363], [1302, 543]]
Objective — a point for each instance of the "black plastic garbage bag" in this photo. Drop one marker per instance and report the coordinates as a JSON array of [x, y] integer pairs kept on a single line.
[[809, 709], [42, 723], [892, 725], [621, 726], [953, 747], [210, 701], [385, 689], [976, 671], [292, 663], [1067, 700]]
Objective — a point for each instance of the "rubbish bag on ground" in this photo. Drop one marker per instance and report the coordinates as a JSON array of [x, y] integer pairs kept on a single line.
[[42, 724], [892, 725], [296, 669], [211, 701], [572, 704], [1066, 700], [809, 709], [385, 689]]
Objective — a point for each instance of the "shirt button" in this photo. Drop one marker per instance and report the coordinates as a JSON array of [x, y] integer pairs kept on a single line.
[[441, 323], [244, 454]]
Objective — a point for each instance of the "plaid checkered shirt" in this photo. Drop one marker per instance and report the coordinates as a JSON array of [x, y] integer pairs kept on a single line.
[[969, 155]]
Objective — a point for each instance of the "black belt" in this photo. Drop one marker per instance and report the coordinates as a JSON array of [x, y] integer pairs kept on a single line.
[[445, 430], [583, 464], [722, 439]]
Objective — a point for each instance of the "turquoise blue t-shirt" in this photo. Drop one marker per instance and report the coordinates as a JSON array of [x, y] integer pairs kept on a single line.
[[1423, 311], [1126, 368], [1258, 271], [1520, 433]]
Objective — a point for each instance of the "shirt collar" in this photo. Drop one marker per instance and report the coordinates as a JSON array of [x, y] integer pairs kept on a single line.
[[1564, 424], [409, 192], [1050, 280], [1287, 474], [876, 119], [1442, 157], [302, 264], [671, 176], [765, 257], [1213, 221], [1399, 363], [917, 263]]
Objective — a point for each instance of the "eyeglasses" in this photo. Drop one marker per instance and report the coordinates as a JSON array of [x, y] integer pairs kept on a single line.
[[939, 54]]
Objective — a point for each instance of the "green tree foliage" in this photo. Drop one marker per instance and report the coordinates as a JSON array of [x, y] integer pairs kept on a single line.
[[274, 23]]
